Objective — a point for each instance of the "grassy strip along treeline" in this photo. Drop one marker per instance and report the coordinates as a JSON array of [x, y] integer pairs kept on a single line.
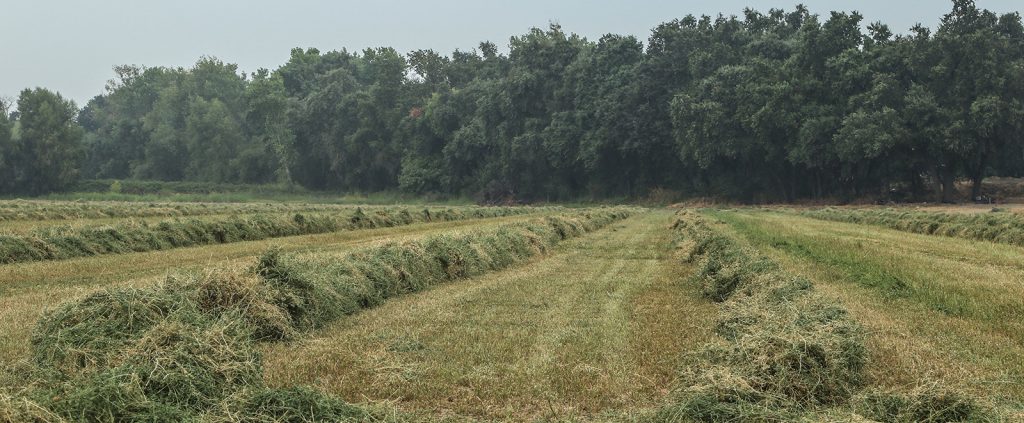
[[137, 236], [1001, 227], [187, 350], [787, 353]]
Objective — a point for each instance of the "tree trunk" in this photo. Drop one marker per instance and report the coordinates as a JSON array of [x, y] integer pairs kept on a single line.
[[817, 184], [948, 179], [937, 183], [977, 175], [976, 187]]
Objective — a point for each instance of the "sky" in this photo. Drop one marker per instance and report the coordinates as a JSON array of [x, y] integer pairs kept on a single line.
[[72, 45]]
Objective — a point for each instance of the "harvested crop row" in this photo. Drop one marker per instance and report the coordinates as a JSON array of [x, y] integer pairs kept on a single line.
[[19, 210], [1001, 227], [136, 236], [787, 352], [187, 350]]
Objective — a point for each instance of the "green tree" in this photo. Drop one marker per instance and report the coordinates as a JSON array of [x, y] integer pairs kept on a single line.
[[272, 150], [49, 140], [8, 153]]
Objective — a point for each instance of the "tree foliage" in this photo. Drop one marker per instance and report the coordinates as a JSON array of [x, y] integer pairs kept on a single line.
[[43, 154], [764, 106]]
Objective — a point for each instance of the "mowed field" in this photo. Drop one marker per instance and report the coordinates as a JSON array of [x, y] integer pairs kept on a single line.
[[937, 309], [519, 314]]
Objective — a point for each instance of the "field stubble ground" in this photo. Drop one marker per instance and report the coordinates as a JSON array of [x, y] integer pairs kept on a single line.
[[594, 330], [28, 289], [936, 308]]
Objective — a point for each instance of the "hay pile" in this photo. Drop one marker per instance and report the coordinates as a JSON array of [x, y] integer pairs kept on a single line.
[[18, 409], [62, 242], [187, 349], [785, 350]]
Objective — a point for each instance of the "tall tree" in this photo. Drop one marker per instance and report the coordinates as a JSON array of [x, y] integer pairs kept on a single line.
[[49, 140], [8, 153]]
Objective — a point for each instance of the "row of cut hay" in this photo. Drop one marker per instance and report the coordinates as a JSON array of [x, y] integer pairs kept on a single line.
[[187, 349], [20, 210], [1000, 227], [786, 352], [137, 236], [317, 288]]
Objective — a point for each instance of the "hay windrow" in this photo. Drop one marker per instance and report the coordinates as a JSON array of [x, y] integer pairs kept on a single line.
[[25, 210], [317, 288], [186, 349], [1000, 227], [787, 352], [786, 348], [63, 242]]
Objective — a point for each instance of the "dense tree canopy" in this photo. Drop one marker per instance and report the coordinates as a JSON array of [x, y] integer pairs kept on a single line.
[[41, 150], [774, 105]]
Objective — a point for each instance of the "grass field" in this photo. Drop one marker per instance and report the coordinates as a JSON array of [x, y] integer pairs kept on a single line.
[[593, 329], [937, 310], [553, 315], [30, 288]]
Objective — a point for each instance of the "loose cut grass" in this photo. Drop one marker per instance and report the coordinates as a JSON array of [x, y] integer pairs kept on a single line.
[[996, 226], [916, 349], [929, 404], [50, 210], [29, 289], [788, 352], [187, 348], [62, 242], [318, 288], [786, 348], [592, 332]]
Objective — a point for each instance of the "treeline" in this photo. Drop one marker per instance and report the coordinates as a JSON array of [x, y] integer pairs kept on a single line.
[[768, 106]]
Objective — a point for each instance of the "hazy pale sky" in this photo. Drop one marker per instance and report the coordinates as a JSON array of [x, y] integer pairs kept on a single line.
[[71, 45]]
